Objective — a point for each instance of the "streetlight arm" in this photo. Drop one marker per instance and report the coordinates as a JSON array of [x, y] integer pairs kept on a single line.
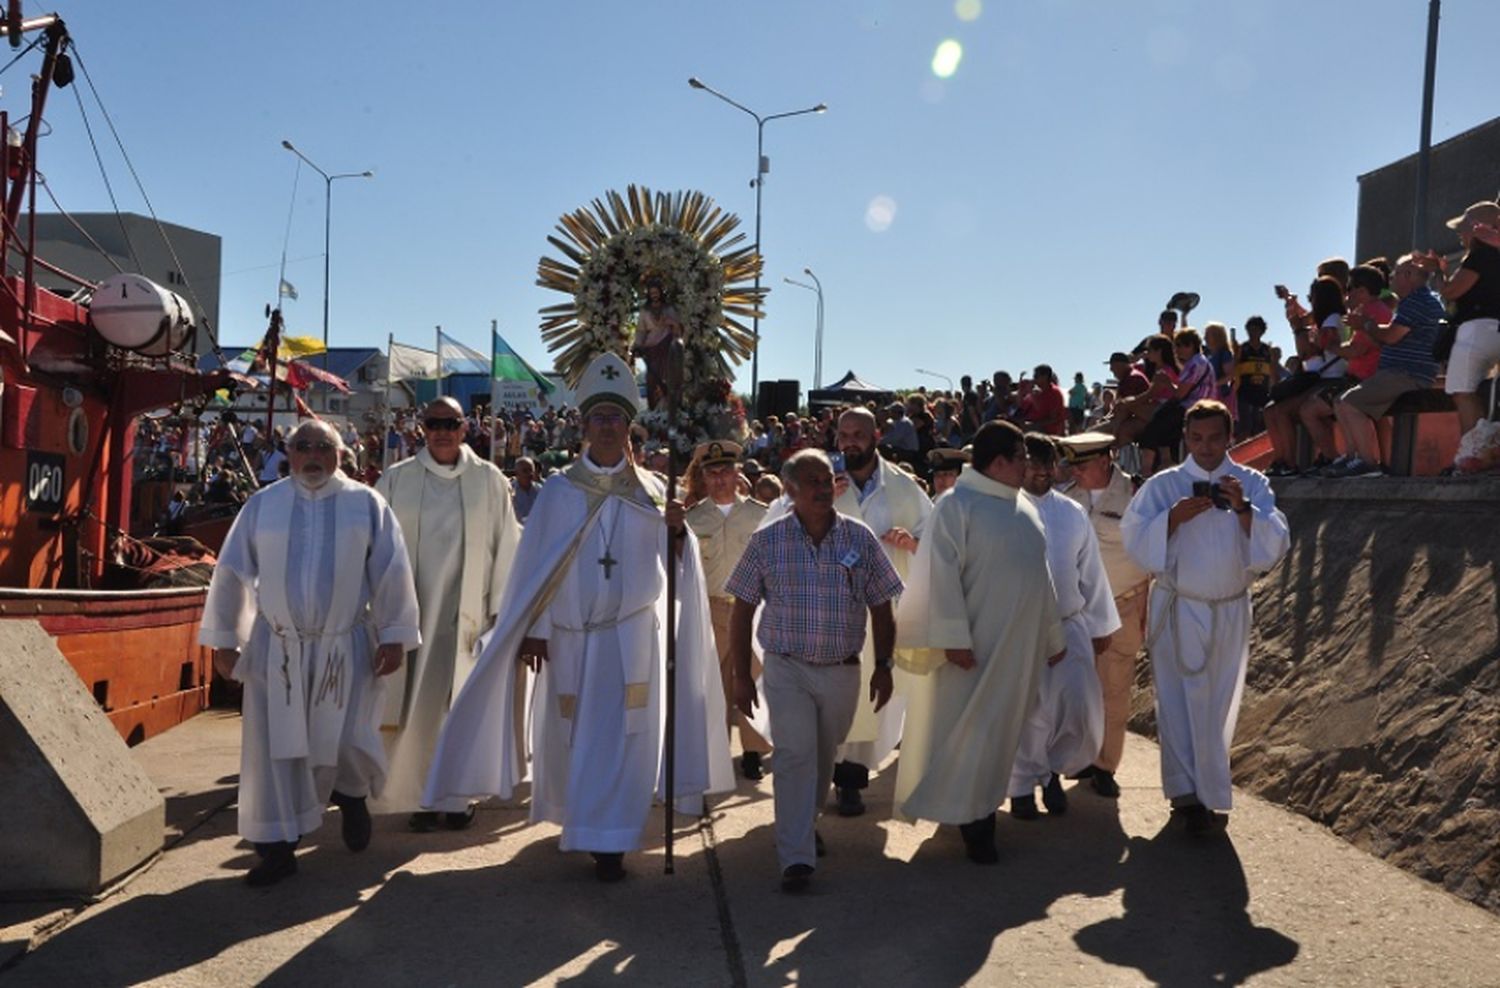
[[696, 84], [799, 284], [820, 108], [929, 373], [305, 159]]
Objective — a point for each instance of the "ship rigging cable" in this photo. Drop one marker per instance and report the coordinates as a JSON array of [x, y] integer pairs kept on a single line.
[[213, 335], [109, 186]]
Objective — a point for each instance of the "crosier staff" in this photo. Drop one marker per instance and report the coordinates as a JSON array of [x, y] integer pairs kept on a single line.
[[669, 767]]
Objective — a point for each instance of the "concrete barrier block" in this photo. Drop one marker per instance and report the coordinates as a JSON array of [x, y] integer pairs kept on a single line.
[[76, 810]]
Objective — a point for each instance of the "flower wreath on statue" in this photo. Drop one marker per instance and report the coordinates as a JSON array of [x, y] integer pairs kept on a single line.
[[614, 251]]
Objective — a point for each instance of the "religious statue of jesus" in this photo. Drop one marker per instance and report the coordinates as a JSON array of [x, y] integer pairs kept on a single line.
[[656, 325]]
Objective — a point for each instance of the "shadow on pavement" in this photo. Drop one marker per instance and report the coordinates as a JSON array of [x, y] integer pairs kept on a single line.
[[147, 936], [873, 918], [1186, 921], [539, 917]]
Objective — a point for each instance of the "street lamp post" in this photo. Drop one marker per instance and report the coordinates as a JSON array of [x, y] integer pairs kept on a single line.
[[328, 181], [762, 166], [818, 334]]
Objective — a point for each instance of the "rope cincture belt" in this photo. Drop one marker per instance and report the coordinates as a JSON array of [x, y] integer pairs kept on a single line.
[[293, 735], [1166, 585], [592, 626]]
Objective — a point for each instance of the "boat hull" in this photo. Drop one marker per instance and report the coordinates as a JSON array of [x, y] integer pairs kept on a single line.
[[137, 651]]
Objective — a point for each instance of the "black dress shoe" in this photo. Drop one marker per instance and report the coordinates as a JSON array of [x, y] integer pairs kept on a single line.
[[1104, 784], [609, 867], [851, 803], [1053, 796], [459, 821], [1198, 820], [355, 822], [1024, 808], [796, 878], [277, 861], [424, 822], [979, 840], [750, 766], [822, 849]]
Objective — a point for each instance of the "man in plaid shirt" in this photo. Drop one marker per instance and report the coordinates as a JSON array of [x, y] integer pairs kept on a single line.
[[818, 572]]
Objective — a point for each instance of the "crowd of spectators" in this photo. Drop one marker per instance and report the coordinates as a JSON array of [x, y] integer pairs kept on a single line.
[[1366, 335]]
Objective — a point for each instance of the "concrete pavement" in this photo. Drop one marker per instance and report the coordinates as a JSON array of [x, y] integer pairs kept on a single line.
[[1105, 895]]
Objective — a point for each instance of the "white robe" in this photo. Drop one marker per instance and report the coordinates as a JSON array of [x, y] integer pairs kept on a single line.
[[1199, 622], [979, 581], [306, 584], [895, 501], [597, 718], [1066, 728], [461, 537]]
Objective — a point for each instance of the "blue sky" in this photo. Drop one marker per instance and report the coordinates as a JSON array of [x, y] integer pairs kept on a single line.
[[1085, 160]]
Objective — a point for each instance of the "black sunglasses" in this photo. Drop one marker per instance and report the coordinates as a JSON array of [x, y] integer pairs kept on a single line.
[[442, 425]]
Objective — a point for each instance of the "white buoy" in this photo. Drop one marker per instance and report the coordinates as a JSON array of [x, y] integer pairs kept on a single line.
[[136, 313]]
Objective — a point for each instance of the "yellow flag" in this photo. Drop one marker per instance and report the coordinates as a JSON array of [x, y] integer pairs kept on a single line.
[[293, 347]]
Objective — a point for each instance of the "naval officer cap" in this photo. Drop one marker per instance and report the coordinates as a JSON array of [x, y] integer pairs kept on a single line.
[[1085, 446], [717, 451], [948, 460], [609, 380]]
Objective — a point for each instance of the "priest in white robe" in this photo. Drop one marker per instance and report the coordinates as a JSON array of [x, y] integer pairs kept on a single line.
[[978, 623], [311, 601], [585, 606], [886, 498], [1204, 530], [460, 532], [1064, 732]]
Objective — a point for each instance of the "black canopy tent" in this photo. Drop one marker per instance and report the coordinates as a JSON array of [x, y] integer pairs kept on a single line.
[[849, 390]]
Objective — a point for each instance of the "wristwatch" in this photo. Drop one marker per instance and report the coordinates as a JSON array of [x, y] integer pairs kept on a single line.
[[884, 663], [1242, 509]]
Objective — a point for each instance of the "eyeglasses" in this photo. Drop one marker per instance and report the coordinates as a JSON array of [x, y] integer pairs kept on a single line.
[[442, 425], [308, 446]]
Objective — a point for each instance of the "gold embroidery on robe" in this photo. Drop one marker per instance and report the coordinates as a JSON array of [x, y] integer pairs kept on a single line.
[[637, 695], [566, 704]]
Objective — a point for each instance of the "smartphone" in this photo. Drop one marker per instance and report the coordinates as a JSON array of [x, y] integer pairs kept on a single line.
[[1204, 488], [837, 459], [1281, 292]]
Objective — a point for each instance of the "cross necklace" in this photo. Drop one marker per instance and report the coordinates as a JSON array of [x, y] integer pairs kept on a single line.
[[607, 560]]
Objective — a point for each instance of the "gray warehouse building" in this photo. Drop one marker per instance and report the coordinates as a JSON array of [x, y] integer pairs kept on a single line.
[[134, 243], [1464, 169]]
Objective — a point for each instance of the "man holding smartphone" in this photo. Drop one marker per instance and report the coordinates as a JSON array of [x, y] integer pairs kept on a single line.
[[1202, 557]]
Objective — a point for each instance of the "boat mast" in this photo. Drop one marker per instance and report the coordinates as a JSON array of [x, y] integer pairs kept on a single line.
[[54, 66]]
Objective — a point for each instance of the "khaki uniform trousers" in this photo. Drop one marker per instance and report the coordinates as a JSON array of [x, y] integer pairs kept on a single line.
[[750, 739], [1116, 666]]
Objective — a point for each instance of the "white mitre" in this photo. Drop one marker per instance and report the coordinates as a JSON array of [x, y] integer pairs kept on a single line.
[[609, 379]]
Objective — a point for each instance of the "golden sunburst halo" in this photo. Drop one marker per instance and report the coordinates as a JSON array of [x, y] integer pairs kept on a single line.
[[607, 248]]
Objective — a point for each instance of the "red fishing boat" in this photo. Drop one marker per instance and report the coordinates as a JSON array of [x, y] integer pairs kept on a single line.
[[77, 373]]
